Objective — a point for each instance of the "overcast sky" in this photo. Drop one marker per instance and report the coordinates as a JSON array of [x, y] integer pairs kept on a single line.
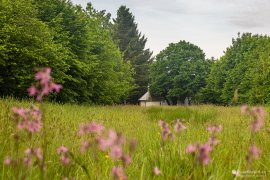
[[210, 24]]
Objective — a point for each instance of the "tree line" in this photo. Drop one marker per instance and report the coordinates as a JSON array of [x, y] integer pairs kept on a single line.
[[98, 59], [241, 75], [101, 60]]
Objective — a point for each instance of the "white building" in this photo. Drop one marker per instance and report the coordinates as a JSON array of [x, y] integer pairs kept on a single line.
[[147, 100]]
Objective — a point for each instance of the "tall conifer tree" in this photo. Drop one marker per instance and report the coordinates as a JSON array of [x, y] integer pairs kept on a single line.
[[132, 45]]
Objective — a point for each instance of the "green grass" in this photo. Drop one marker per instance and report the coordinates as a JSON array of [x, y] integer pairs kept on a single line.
[[62, 123]]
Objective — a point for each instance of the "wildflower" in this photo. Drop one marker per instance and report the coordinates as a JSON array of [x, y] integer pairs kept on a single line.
[[201, 151], [28, 119], [105, 144], [89, 128], [44, 85], [254, 152], [191, 148], [27, 161], [179, 126], [244, 109], [118, 173], [126, 159], [156, 171], [62, 150], [64, 159], [85, 146], [39, 154], [116, 152], [212, 141], [204, 153], [165, 131], [8, 161], [215, 128]]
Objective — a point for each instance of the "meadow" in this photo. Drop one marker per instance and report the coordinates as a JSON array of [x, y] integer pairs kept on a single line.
[[62, 123]]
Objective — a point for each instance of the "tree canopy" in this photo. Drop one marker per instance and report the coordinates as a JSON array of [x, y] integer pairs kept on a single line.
[[179, 72]]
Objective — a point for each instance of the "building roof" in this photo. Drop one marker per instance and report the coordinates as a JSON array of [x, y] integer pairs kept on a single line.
[[146, 97]]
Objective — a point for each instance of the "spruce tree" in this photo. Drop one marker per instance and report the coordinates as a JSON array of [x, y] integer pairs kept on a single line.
[[132, 45]]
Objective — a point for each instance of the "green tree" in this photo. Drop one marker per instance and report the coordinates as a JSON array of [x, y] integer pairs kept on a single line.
[[25, 43], [179, 72], [132, 45]]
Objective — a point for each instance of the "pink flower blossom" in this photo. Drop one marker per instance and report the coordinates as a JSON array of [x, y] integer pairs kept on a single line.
[[191, 148], [179, 126], [89, 128], [116, 152], [28, 119], [64, 159], [44, 85], [244, 109], [254, 152], [8, 161], [85, 146], [56, 87], [212, 141], [62, 150], [126, 159], [27, 161], [32, 91], [39, 154], [165, 131], [118, 173], [215, 128], [18, 111], [204, 153], [156, 171]]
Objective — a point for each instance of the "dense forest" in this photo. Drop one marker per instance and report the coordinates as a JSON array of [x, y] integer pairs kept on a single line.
[[101, 60]]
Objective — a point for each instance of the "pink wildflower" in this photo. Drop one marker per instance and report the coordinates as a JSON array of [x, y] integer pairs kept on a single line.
[[85, 146], [64, 159], [39, 154], [244, 109], [89, 128], [56, 87], [18, 111], [165, 131], [204, 153], [62, 150], [254, 152], [29, 119], [156, 171], [27, 161], [8, 161], [215, 128], [32, 91], [44, 86], [179, 126], [212, 141], [191, 148], [118, 173], [116, 152], [126, 159]]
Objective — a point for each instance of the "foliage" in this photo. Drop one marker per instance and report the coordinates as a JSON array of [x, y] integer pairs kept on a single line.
[[179, 72], [76, 43], [242, 74], [132, 45]]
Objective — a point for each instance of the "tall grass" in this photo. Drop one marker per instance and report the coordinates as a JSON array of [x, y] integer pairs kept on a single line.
[[63, 121]]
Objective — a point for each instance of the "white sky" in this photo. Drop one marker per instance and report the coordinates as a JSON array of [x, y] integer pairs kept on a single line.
[[209, 24]]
